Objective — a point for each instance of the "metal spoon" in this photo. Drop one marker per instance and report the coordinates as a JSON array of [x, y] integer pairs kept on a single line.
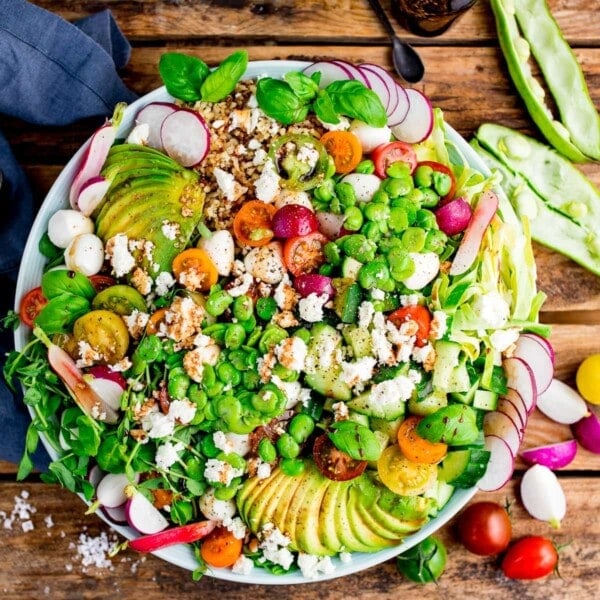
[[407, 62]]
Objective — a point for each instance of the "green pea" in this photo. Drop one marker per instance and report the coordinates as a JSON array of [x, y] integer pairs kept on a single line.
[[292, 466], [269, 399], [426, 219], [250, 380], [178, 385], [398, 170], [353, 219], [326, 269], [228, 408], [324, 192], [266, 450], [216, 331], [435, 241], [332, 254], [442, 182], [218, 302], [209, 412], [150, 348], [398, 220], [366, 167], [381, 197], [345, 193], [335, 206], [398, 187], [174, 360], [401, 265], [197, 396], [430, 198], [207, 446], [303, 334], [209, 376], [228, 374], [287, 446], [373, 274], [254, 336], [377, 212], [234, 459], [227, 493], [413, 239], [266, 308], [371, 231], [235, 335], [249, 325], [423, 176], [238, 358], [243, 308], [301, 426], [359, 247]]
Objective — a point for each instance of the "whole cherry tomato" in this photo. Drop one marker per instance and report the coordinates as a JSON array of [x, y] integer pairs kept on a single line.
[[484, 528], [531, 557]]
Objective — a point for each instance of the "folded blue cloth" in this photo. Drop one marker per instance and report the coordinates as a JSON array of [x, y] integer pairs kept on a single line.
[[52, 72]]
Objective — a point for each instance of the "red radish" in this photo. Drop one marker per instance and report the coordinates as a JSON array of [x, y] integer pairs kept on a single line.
[[153, 115], [542, 341], [354, 71], [95, 475], [95, 154], [500, 466], [117, 515], [562, 403], [520, 377], [91, 194], [393, 89], [110, 492], [330, 224], [501, 425], [398, 114], [587, 432], [518, 415], [376, 82], [185, 534], [330, 71], [514, 398], [553, 456], [418, 121], [469, 246], [454, 216], [105, 372], [313, 283], [142, 515], [108, 390], [293, 220], [538, 359], [185, 137]]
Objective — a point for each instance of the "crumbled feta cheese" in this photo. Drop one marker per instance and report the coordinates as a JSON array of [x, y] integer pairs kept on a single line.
[[263, 470], [284, 295], [293, 391], [167, 454], [141, 281], [170, 230], [382, 347], [291, 353], [243, 565], [409, 299], [274, 546], [163, 283], [232, 442], [117, 253], [492, 310], [266, 186], [237, 527], [243, 284], [377, 294], [340, 411], [366, 310], [221, 471], [157, 424], [503, 339], [354, 373], [388, 393], [136, 323], [345, 557], [427, 266], [182, 411], [311, 307], [312, 566]]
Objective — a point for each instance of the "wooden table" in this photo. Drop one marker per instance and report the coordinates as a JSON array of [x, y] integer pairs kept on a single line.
[[466, 77]]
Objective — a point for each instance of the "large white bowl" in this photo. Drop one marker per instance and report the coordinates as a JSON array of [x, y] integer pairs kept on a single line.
[[30, 275]]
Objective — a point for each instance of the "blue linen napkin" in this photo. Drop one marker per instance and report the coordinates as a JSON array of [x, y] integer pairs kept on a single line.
[[52, 72]]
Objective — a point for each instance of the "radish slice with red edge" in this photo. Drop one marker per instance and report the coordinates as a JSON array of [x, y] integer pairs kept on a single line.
[[110, 391], [153, 115], [142, 515], [394, 90], [538, 359], [110, 491], [520, 378], [454, 216], [95, 475], [117, 515], [185, 534], [417, 123], [518, 415], [561, 403], [91, 194], [587, 432], [397, 115], [313, 283], [105, 372], [500, 466], [469, 246], [185, 137], [543, 342], [355, 72], [376, 83], [515, 399], [330, 71], [497, 423], [553, 456]]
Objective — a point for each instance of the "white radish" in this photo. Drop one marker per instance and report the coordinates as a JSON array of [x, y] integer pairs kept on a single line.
[[497, 423], [519, 377], [500, 466], [220, 247], [185, 137], [85, 254], [518, 415], [417, 123], [370, 137], [91, 194], [364, 185], [110, 391], [543, 496], [95, 475], [266, 263], [153, 115], [538, 359], [66, 224], [427, 266], [139, 135], [142, 515], [562, 403], [110, 491], [542, 341]]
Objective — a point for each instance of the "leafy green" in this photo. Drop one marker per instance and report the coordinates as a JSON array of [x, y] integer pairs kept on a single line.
[[356, 440], [353, 99], [61, 312], [278, 100], [324, 109], [455, 424], [64, 281], [305, 88], [182, 75], [222, 81]]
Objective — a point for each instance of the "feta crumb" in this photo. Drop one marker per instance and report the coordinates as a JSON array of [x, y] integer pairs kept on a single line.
[[409, 299], [237, 527], [388, 393], [492, 310], [503, 339], [230, 188], [345, 557], [163, 283], [274, 546], [439, 324], [340, 411], [136, 323], [312, 566], [232, 442], [170, 230], [266, 186], [311, 307], [157, 424], [291, 353], [377, 294], [118, 255], [220, 471], [139, 134], [182, 411], [354, 373], [167, 454], [243, 565], [263, 470], [366, 310]]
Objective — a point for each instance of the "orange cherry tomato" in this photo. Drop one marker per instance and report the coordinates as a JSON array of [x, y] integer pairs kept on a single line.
[[417, 313], [252, 223], [386, 154], [418, 449], [345, 149], [31, 305], [304, 254], [220, 548], [156, 318], [194, 269], [101, 282]]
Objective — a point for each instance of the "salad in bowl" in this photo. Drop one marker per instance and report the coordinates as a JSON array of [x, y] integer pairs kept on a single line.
[[265, 314]]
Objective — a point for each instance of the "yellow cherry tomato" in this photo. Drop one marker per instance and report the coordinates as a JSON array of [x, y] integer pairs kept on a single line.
[[588, 379], [403, 476]]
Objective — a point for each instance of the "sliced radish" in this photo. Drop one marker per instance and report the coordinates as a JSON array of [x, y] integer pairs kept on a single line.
[[553, 456], [330, 71], [117, 515], [469, 246], [153, 115], [514, 398], [397, 115], [330, 224], [313, 283], [186, 534], [500, 466], [185, 137], [110, 391], [417, 123], [375, 82], [110, 491], [394, 90], [520, 377], [501, 425], [354, 71], [142, 515], [542, 341], [91, 194], [105, 372], [538, 359], [562, 403], [517, 414], [587, 432], [95, 475]]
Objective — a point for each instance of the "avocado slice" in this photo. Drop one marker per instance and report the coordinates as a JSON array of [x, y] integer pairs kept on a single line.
[[328, 531], [279, 504], [259, 499], [401, 514], [362, 529]]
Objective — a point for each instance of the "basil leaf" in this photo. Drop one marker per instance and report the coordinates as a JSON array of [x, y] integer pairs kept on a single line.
[[356, 440], [61, 312], [63, 281], [48, 249], [182, 75], [324, 109], [304, 87], [355, 100], [277, 100], [455, 424], [222, 81]]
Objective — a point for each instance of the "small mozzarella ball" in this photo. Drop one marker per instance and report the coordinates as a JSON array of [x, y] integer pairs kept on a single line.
[[364, 185], [214, 509], [266, 263], [427, 266], [220, 247], [66, 224], [85, 254], [370, 137], [285, 197], [139, 134]]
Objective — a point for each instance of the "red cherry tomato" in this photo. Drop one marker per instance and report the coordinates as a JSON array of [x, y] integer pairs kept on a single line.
[[101, 282], [31, 305], [441, 168], [334, 463], [484, 528], [417, 313], [531, 557], [304, 254], [386, 154]]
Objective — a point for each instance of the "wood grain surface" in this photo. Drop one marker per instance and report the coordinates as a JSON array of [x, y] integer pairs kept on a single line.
[[465, 76]]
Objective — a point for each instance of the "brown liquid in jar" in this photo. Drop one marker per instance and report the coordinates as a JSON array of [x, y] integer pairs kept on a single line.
[[429, 18]]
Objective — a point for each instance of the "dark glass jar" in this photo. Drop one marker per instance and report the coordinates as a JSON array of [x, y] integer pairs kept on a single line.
[[429, 18]]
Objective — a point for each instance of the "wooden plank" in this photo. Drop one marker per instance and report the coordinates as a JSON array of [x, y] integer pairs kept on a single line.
[[44, 563]]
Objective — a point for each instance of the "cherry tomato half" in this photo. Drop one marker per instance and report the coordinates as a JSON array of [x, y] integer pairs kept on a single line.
[[195, 270], [101, 282], [386, 154], [437, 167], [531, 557], [304, 254], [345, 149], [31, 305], [252, 223], [417, 313], [484, 528], [334, 463], [220, 548], [416, 448]]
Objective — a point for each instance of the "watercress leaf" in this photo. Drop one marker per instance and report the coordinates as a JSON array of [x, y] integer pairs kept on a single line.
[[356, 440], [63, 475], [25, 467], [196, 488], [32, 438], [455, 424], [10, 321], [112, 454], [222, 80], [143, 460], [353, 99], [32, 396], [61, 312], [277, 100], [182, 75], [324, 109], [304, 87], [64, 281]]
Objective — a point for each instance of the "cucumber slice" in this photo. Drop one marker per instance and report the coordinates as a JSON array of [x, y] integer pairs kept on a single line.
[[464, 468]]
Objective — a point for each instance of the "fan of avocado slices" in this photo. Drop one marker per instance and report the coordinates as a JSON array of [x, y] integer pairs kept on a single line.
[[148, 191]]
